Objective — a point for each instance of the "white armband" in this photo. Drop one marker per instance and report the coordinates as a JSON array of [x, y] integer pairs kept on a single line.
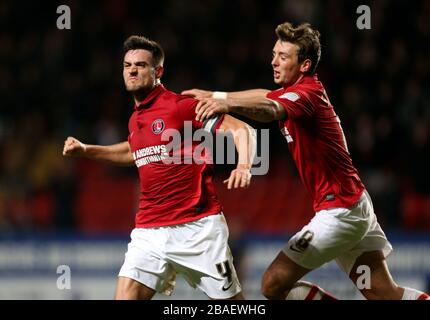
[[219, 95]]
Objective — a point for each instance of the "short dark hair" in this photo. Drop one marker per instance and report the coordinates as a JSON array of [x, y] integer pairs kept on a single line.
[[140, 42], [304, 36]]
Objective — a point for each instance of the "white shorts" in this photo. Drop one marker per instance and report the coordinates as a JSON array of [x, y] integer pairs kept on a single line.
[[197, 250], [342, 234]]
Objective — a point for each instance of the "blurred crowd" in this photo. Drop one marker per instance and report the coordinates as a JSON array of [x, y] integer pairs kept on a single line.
[[55, 83]]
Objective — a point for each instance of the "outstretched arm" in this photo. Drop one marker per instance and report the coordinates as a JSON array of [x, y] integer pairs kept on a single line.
[[245, 142], [259, 109], [201, 94], [118, 154], [252, 104]]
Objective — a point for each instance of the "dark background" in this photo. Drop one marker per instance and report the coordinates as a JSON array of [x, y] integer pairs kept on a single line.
[[55, 83]]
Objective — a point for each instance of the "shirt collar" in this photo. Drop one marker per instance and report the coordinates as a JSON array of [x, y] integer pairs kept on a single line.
[[157, 90], [305, 79], [308, 78]]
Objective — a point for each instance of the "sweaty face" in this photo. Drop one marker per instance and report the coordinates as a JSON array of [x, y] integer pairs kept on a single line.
[[286, 69], [138, 72]]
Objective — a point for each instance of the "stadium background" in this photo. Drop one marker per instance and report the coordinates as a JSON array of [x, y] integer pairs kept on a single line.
[[55, 83]]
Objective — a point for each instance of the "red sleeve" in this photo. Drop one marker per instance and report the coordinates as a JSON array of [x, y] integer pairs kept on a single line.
[[296, 103], [187, 112], [131, 126]]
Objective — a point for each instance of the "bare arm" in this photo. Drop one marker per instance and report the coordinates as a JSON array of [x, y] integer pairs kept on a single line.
[[252, 104], [252, 93], [259, 109], [201, 94], [245, 142], [117, 154]]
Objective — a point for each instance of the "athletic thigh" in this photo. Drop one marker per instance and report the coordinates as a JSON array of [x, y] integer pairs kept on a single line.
[[372, 277], [129, 289], [281, 275]]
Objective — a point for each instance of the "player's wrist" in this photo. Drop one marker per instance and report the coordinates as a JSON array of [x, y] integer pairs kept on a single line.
[[219, 95], [83, 146], [244, 166]]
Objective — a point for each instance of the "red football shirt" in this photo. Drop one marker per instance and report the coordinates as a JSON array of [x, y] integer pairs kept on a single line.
[[317, 144], [169, 193]]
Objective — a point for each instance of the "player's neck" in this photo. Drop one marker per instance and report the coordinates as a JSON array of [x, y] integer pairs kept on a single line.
[[299, 78], [141, 94], [294, 82]]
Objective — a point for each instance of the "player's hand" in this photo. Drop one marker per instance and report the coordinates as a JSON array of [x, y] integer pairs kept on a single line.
[[239, 177], [198, 93], [73, 147], [206, 108]]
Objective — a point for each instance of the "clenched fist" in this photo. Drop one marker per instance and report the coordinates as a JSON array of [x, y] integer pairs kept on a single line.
[[73, 147]]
